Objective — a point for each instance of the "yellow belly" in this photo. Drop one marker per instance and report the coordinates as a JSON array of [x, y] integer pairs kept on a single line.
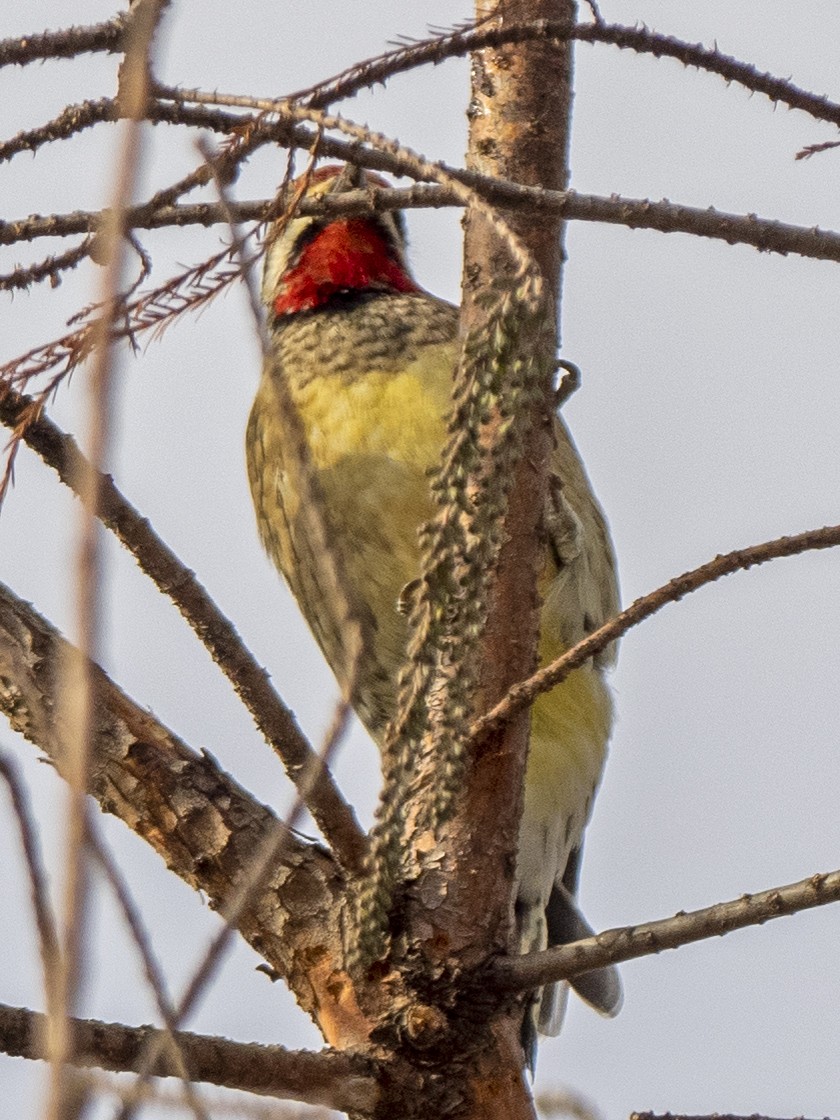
[[373, 435]]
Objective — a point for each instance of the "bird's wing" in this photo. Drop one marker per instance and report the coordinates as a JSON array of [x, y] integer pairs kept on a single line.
[[582, 591]]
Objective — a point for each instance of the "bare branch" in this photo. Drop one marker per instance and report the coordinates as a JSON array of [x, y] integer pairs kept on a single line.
[[639, 39], [741, 559], [713, 1116], [625, 944], [44, 917], [340, 1081], [48, 269], [251, 682], [764, 234], [69, 122], [107, 36], [204, 825]]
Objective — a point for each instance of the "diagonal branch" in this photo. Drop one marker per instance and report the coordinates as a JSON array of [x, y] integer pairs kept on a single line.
[[203, 824], [251, 682], [625, 944], [462, 41], [69, 122], [36, 873], [524, 693]]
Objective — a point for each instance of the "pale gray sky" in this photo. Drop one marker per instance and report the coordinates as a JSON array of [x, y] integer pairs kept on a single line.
[[709, 418]]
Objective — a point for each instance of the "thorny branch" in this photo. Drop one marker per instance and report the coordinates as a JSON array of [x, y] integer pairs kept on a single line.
[[764, 234], [108, 36], [741, 559], [464, 41], [616, 945], [69, 122], [48, 269], [22, 49]]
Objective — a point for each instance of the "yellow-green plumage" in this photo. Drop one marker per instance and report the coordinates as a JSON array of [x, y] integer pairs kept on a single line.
[[372, 402], [370, 378]]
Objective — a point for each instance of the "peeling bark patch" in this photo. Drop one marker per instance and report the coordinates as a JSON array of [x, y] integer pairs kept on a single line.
[[15, 707]]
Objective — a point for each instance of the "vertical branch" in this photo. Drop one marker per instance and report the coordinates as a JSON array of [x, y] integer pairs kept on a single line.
[[134, 84], [520, 115], [491, 490], [519, 130]]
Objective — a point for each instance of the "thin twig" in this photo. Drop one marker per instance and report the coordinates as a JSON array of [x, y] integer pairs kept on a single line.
[[814, 149], [78, 693], [154, 974], [313, 507], [38, 887], [267, 857], [50, 268], [533, 970], [523, 694]]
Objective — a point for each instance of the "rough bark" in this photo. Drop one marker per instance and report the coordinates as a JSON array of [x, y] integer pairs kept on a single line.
[[335, 1080], [196, 817], [458, 906]]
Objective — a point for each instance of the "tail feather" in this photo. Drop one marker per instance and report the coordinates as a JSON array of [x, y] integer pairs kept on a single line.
[[560, 924], [600, 988]]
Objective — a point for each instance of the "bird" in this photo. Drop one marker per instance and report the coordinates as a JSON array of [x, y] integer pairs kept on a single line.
[[364, 358]]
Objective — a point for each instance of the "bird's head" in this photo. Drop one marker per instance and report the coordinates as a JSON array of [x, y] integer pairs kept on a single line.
[[314, 261]]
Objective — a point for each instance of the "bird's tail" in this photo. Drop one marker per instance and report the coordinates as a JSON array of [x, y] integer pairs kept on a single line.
[[560, 924]]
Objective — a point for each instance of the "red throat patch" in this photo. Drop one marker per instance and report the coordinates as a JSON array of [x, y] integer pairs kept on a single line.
[[350, 255]]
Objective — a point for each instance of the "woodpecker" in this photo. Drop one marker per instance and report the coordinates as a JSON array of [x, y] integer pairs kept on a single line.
[[366, 357]]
